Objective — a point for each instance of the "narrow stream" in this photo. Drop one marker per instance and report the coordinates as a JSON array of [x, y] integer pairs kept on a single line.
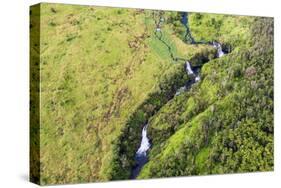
[[141, 156], [184, 21]]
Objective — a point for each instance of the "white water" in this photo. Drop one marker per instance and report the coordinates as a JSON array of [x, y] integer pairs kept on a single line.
[[141, 157], [189, 72], [145, 145], [197, 78], [217, 45], [181, 90], [188, 68]]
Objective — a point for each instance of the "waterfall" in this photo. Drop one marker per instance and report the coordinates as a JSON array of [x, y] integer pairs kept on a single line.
[[141, 157], [194, 77], [197, 78], [217, 45], [145, 145], [188, 68]]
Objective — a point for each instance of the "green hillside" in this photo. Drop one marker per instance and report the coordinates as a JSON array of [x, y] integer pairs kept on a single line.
[[225, 123], [104, 73]]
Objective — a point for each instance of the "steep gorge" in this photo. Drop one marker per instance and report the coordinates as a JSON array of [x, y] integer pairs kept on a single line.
[[225, 123], [204, 130], [132, 161]]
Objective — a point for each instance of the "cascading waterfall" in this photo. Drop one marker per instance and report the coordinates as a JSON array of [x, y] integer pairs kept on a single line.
[[144, 142], [188, 68], [191, 72], [194, 75], [141, 156], [217, 45]]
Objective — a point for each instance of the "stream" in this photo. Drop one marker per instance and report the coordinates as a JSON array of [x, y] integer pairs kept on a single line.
[[184, 21], [141, 156]]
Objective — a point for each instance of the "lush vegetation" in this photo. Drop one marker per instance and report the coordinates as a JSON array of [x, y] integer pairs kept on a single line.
[[97, 67], [104, 73], [225, 123]]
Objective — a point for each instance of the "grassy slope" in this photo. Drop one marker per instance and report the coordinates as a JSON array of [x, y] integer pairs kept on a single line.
[[97, 66], [225, 123]]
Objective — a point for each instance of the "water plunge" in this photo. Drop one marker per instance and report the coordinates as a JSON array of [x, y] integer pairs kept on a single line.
[[141, 156], [188, 68], [144, 142], [217, 45]]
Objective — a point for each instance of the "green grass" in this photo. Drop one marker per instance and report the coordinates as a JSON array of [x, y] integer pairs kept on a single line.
[[225, 123], [97, 65], [103, 73], [231, 30], [90, 81]]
